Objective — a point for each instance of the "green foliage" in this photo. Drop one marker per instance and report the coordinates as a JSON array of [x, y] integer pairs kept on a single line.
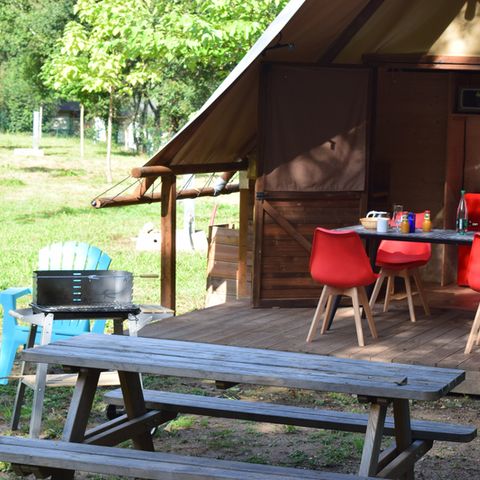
[[29, 32], [164, 55]]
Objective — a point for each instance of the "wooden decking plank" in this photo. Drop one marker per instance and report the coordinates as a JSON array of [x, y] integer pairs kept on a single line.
[[238, 324], [470, 361], [376, 347], [429, 349], [397, 346], [267, 334], [195, 321], [423, 340], [456, 346]]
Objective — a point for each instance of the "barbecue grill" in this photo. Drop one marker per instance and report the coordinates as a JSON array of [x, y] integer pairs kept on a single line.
[[71, 294]]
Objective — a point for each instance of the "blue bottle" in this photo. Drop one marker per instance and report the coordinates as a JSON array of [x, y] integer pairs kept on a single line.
[[411, 221]]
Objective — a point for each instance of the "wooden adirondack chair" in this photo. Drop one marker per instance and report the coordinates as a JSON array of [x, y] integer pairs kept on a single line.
[[58, 256]]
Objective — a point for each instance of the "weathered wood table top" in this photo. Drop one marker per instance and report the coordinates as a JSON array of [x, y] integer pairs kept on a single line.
[[247, 365]]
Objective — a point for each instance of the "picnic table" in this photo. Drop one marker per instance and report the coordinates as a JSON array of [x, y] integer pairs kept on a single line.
[[377, 384]]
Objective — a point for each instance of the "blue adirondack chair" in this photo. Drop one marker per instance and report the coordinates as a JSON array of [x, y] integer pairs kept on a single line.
[[57, 256]]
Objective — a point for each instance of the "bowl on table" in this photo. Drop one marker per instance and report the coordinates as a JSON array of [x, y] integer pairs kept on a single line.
[[369, 223]]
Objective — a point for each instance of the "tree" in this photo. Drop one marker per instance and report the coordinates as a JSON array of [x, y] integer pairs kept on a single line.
[[102, 53], [164, 54], [29, 29]]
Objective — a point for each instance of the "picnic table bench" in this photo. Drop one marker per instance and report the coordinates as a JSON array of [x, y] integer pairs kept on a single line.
[[378, 384]]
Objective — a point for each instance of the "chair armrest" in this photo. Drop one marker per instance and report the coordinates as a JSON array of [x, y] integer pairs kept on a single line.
[[8, 298], [15, 292]]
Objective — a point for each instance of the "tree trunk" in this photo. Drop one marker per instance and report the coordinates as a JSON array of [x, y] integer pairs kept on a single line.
[[108, 170], [82, 131]]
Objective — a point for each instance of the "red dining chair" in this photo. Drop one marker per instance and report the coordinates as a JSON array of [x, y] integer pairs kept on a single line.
[[339, 262], [402, 259], [473, 278]]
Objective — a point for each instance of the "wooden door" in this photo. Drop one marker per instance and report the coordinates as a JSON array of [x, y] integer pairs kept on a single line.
[[312, 172]]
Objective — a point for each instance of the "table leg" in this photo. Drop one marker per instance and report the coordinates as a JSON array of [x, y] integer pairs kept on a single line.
[[373, 438], [403, 431], [81, 405], [371, 246], [131, 384], [78, 414], [333, 310]]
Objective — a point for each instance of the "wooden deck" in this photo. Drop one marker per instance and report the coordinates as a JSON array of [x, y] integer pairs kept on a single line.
[[438, 340]]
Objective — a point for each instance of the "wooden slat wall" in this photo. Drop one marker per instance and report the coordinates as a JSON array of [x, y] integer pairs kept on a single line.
[[410, 139], [222, 265], [410, 144], [283, 272]]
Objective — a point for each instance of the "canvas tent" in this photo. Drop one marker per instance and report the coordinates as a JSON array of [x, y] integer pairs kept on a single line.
[[339, 107]]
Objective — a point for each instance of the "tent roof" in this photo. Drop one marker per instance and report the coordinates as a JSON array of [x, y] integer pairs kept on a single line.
[[322, 31]]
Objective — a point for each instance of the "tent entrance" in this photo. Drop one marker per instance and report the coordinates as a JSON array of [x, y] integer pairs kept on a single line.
[[313, 158]]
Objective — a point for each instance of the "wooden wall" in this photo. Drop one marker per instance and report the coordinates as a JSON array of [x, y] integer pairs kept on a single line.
[[409, 145], [222, 265], [410, 139], [285, 229]]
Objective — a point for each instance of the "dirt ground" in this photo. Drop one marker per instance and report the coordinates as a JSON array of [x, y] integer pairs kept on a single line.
[[304, 447]]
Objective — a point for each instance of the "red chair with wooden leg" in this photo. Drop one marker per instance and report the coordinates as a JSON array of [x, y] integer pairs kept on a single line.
[[402, 259], [473, 278], [339, 262]]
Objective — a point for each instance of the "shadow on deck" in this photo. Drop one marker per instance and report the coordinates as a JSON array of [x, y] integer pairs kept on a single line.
[[438, 340]]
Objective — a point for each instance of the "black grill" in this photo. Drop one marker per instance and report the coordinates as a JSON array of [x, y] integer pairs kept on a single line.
[[83, 293]]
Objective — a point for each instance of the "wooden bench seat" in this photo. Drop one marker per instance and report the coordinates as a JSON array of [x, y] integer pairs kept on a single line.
[[290, 415], [65, 456]]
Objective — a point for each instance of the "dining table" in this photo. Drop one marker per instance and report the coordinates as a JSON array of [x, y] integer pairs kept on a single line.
[[436, 235]]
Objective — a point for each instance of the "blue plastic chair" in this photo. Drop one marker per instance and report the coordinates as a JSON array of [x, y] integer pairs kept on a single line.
[[58, 256]]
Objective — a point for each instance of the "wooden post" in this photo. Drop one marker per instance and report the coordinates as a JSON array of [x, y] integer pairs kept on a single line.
[[242, 289], [82, 131], [108, 169], [168, 246]]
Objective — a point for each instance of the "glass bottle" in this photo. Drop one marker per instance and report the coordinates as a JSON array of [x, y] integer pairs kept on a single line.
[[427, 222], [462, 215], [404, 224]]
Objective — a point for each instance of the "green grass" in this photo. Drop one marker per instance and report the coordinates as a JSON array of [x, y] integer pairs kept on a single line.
[[47, 199]]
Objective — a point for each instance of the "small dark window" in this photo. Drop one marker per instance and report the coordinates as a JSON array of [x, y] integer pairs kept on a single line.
[[469, 100]]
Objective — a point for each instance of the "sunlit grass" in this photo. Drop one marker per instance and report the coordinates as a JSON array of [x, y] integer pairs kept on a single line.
[[47, 199]]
